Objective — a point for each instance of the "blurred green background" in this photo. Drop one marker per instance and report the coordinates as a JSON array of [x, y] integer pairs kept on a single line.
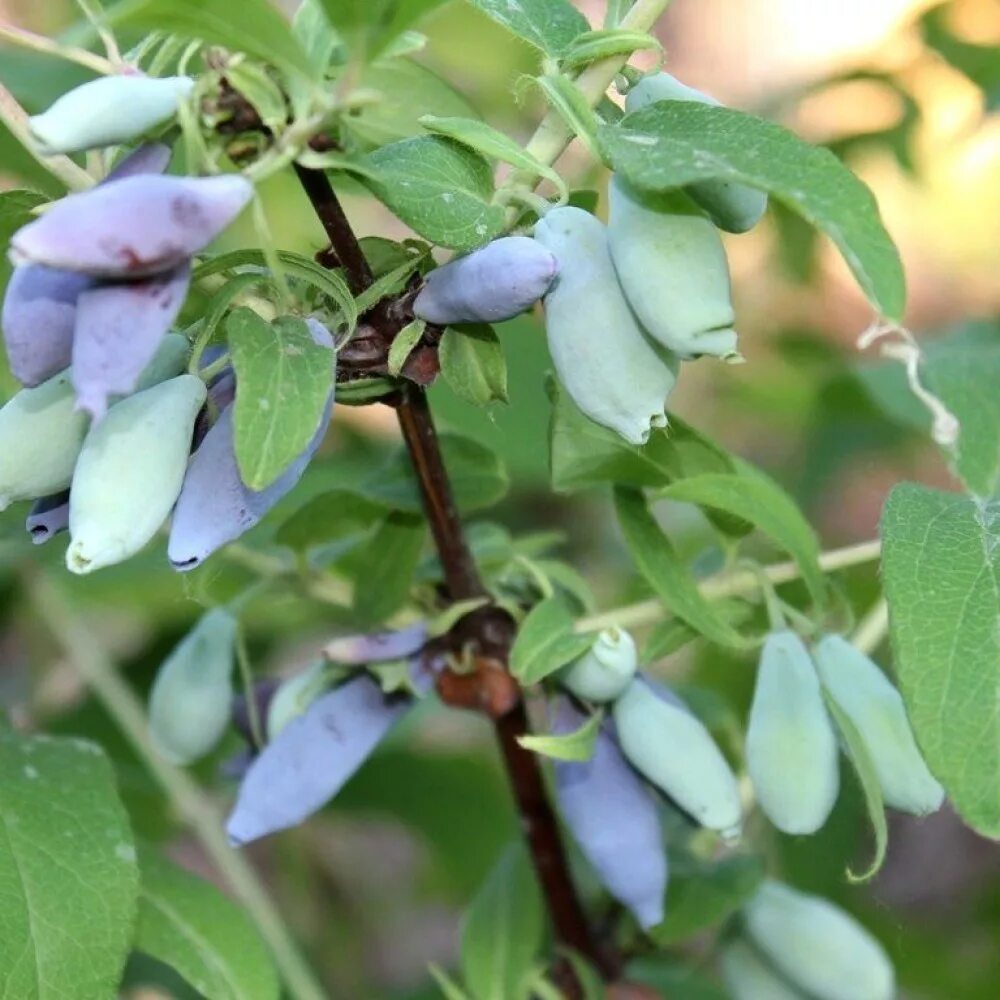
[[374, 886]]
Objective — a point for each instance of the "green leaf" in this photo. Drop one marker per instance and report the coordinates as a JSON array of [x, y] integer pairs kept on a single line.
[[439, 188], [856, 750], [260, 90], [473, 364], [756, 497], [703, 894], [578, 745], [546, 641], [656, 559], [478, 478], [259, 30], [450, 990], [673, 634], [189, 925], [594, 45], [403, 343], [373, 24], [489, 142], [387, 564], [549, 25], [68, 874], [566, 99], [387, 284], [408, 91], [503, 929], [328, 518], [673, 143], [284, 381], [941, 570], [16, 210]]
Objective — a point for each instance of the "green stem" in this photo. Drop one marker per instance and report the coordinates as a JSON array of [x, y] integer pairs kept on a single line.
[[48, 46], [98, 670], [873, 628], [553, 135], [733, 583]]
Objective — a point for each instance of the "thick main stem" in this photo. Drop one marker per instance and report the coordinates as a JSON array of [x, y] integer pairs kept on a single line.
[[462, 581]]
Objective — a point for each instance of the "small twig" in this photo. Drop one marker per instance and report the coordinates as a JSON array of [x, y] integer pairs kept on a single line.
[[96, 668], [873, 628], [48, 46], [734, 583]]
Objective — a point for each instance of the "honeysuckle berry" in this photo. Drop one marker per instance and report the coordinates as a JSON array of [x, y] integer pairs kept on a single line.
[[149, 158], [215, 506], [611, 369], [135, 227], [791, 746], [312, 757], [130, 471], [816, 946], [733, 207], [613, 818], [119, 327], [868, 698], [48, 517], [189, 704], [293, 696], [108, 111], [672, 267], [39, 316], [670, 746], [605, 670], [491, 284], [748, 976]]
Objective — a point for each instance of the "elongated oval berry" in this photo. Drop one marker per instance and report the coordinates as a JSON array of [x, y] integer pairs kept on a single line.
[[818, 947], [108, 111], [135, 227], [190, 702], [312, 758], [494, 283], [294, 695], [605, 670], [875, 707], [215, 506], [376, 647], [39, 313], [611, 369], [48, 517], [614, 820], [40, 438], [672, 267], [149, 158], [733, 207], [749, 977], [672, 748], [130, 471], [118, 330], [791, 747]]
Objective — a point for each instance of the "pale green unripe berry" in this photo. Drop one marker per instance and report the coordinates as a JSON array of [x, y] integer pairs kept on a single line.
[[294, 696], [733, 207], [108, 111], [41, 433], [673, 269], [817, 946], [191, 699], [791, 747], [674, 751], [614, 372], [875, 707], [130, 471], [40, 438], [605, 670], [749, 977]]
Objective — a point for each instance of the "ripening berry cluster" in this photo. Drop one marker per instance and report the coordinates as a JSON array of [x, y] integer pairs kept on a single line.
[[110, 433]]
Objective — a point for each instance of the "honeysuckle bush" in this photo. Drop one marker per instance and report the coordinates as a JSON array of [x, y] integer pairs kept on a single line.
[[175, 391]]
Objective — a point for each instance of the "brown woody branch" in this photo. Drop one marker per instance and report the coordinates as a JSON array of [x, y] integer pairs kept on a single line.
[[489, 631]]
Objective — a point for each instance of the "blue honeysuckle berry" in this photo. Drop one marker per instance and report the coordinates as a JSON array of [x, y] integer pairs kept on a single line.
[[129, 473], [672, 266], [611, 369], [491, 284], [108, 111], [791, 747], [189, 704], [135, 227], [732, 207]]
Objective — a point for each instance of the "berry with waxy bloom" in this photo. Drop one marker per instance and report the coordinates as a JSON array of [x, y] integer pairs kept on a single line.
[[605, 670]]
